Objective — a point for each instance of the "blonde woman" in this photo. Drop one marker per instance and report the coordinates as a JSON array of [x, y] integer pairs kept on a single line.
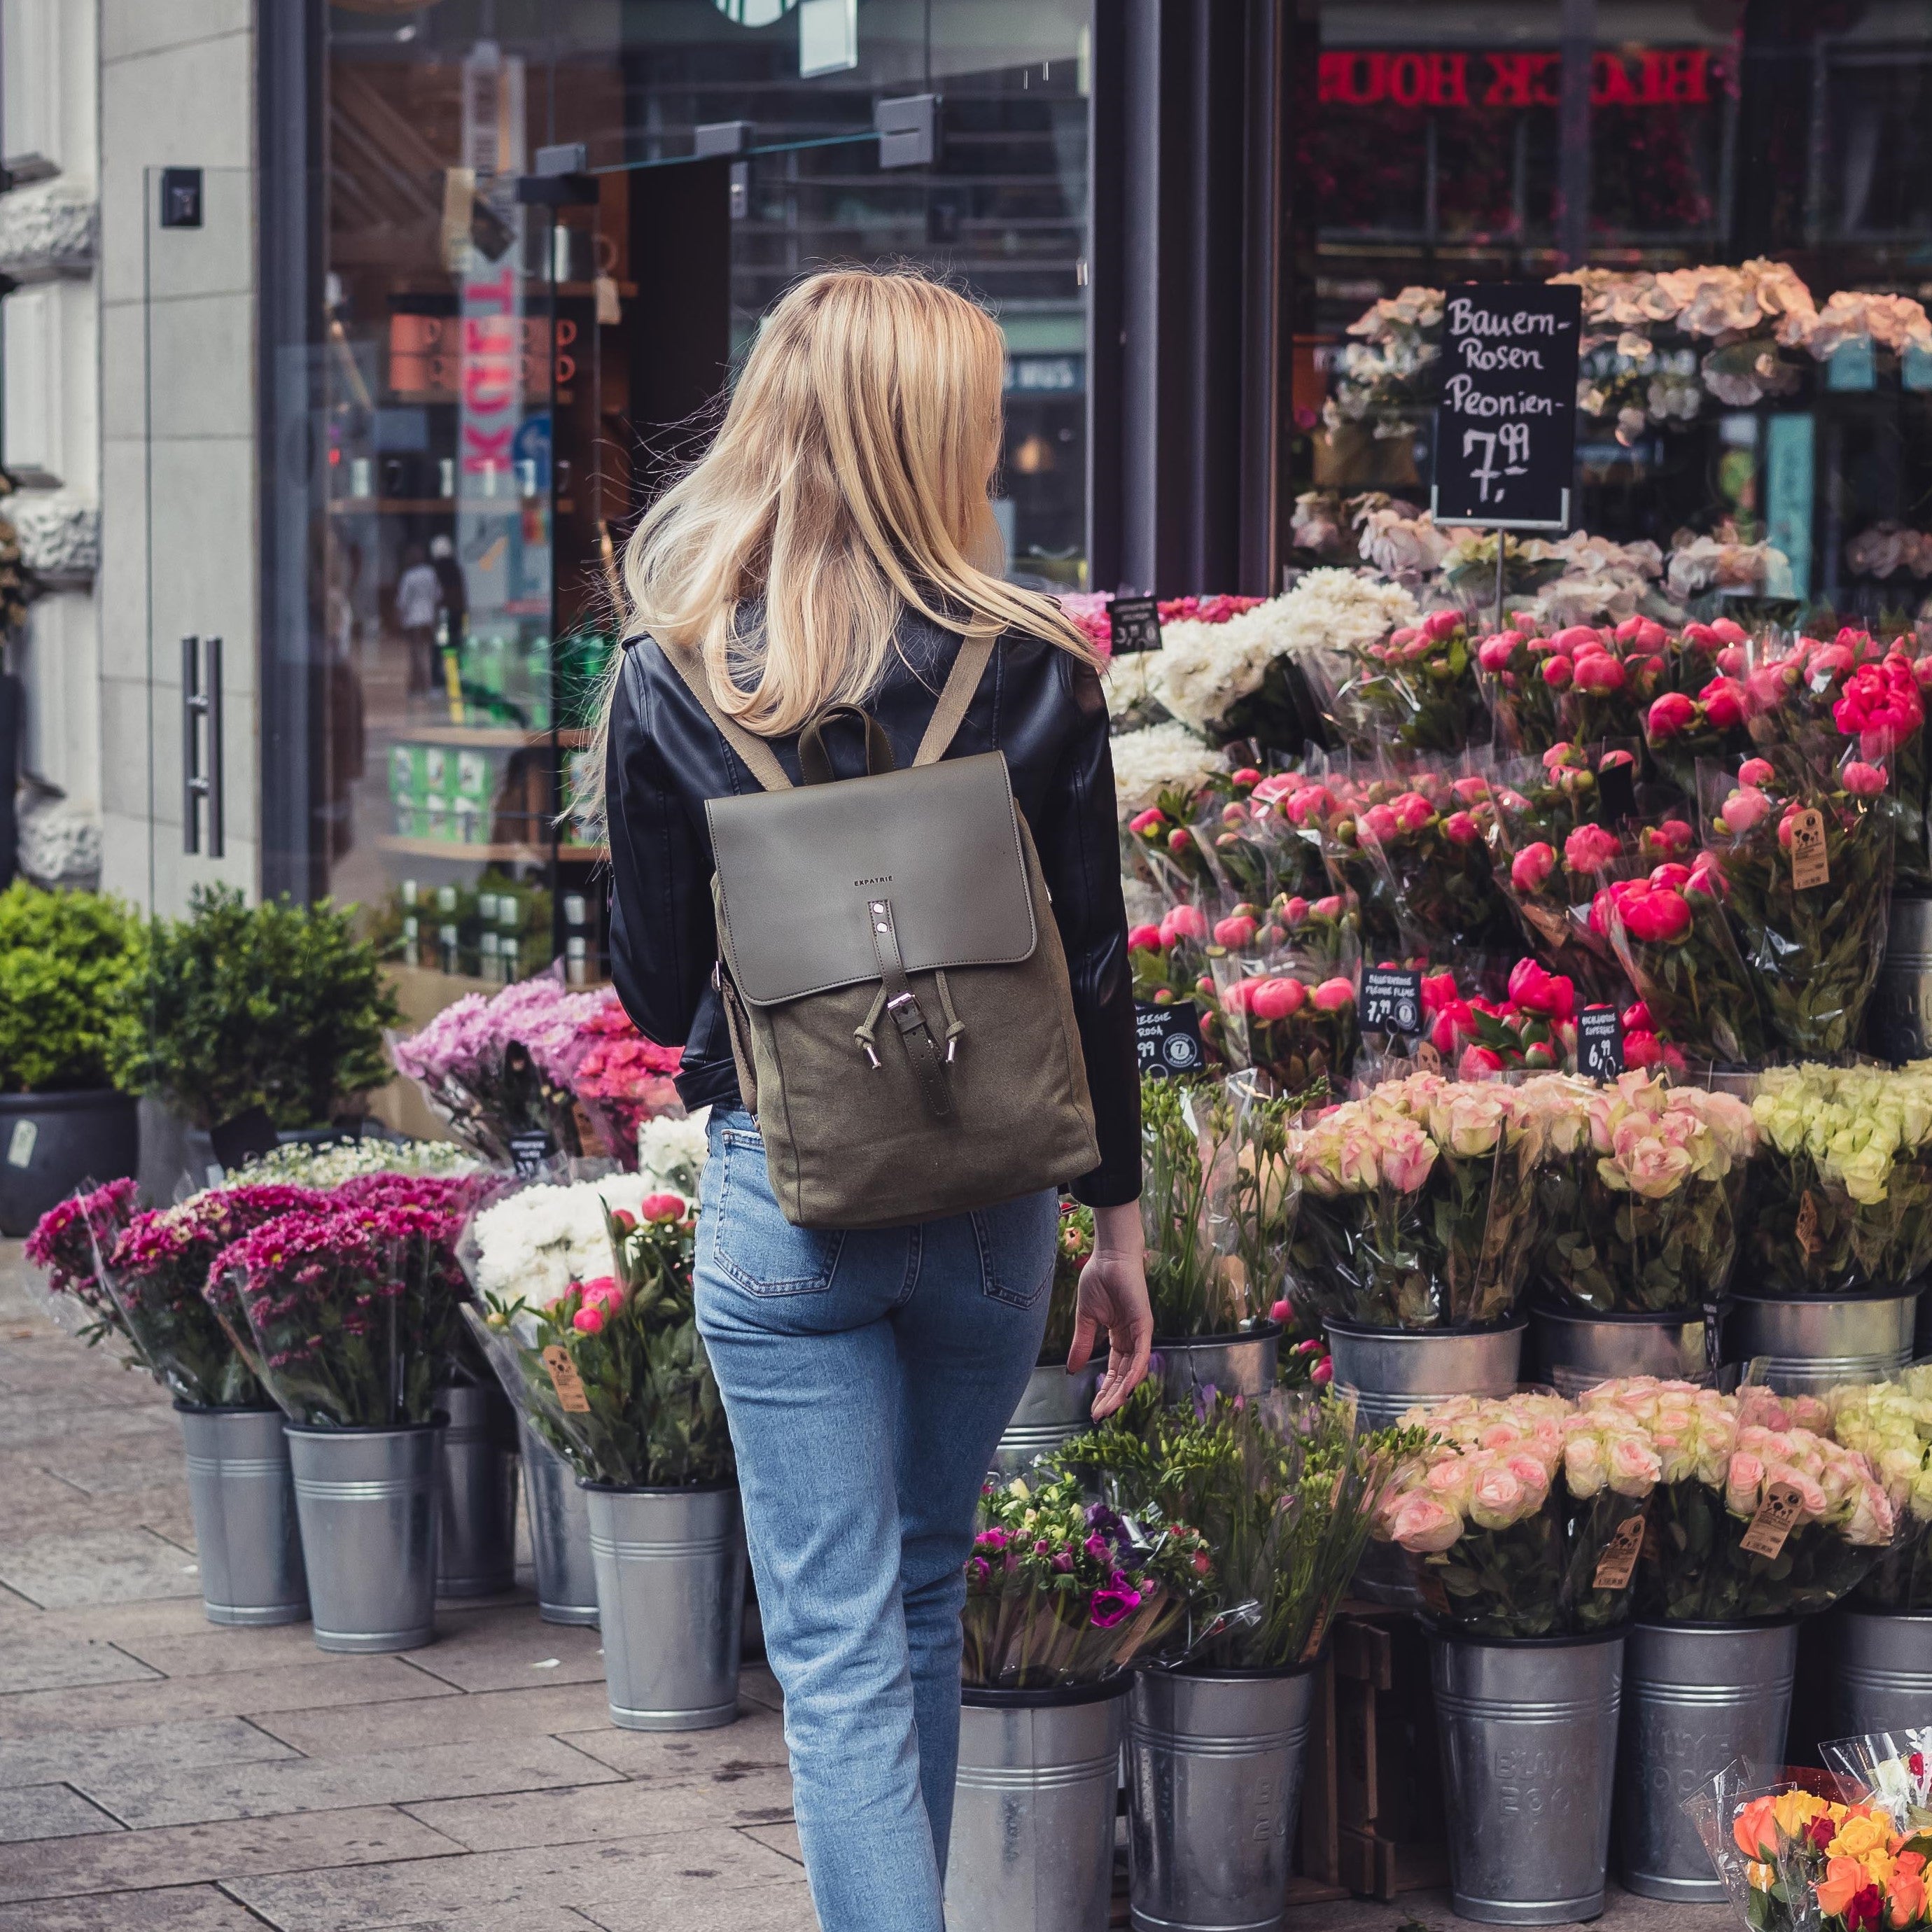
[[833, 546]]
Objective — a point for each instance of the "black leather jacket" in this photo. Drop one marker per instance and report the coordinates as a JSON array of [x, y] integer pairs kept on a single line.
[[1036, 704]]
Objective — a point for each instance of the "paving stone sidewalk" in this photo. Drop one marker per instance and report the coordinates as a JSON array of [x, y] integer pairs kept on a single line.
[[159, 1775]]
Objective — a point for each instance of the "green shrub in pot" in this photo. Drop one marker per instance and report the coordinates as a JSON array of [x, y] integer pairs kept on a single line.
[[67, 962], [277, 1005]]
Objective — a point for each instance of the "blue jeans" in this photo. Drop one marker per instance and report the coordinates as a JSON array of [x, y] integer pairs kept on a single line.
[[867, 1375]]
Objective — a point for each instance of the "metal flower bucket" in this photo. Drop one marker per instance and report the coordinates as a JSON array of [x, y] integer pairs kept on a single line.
[[367, 1500], [1695, 1696], [1243, 1364], [1812, 1343], [1576, 1351], [476, 1494], [1033, 1808], [1528, 1730], [1898, 1020], [1881, 1671], [670, 1602], [1214, 1767], [1055, 1408], [247, 1539], [559, 1521]]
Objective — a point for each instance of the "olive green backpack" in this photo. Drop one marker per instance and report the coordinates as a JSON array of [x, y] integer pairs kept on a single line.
[[892, 977]]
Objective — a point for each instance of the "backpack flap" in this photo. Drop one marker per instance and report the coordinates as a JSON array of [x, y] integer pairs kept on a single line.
[[800, 872]]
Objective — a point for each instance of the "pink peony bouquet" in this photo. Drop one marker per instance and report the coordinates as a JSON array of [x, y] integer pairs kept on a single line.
[[1756, 1513], [1804, 855], [1416, 690], [1417, 1207], [1523, 1516], [1533, 1027], [1284, 984], [1638, 1196]]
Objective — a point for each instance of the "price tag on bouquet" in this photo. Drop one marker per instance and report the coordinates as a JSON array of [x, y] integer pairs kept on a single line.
[[1135, 624], [1391, 1000], [1600, 1043], [1776, 1517], [1618, 1564], [1168, 1038], [1810, 864], [565, 1379], [529, 1151]]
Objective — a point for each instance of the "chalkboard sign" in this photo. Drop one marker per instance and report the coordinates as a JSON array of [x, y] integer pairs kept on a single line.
[[1506, 422], [1600, 1043], [1391, 1000], [1169, 1038], [1135, 624]]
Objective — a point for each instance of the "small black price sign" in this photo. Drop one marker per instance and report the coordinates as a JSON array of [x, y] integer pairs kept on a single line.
[[1600, 1043], [529, 1151], [1169, 1038], [1135, 622], [1506, 423], [1616, 786], [1391, 1000]]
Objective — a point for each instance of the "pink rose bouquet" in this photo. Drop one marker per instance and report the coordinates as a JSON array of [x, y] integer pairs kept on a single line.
[[1638, 1198], [1808, 897], [1721, 1457], [1418, 1205], [1520, 1517], [1063, 1590]]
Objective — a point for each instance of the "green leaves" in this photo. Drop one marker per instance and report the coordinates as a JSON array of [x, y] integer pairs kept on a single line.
[[67, 960], [277, 1005]]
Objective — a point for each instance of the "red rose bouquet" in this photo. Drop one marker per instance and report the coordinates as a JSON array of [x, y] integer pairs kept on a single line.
[[1805, 854]]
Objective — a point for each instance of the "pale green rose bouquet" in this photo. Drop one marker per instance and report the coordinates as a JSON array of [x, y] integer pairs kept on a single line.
[[1891, 1423], [1840, 1199]]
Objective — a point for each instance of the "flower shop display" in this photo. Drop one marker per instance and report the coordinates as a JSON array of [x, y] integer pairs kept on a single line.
[[1804, 855], [608, 1367], [67, 962], [1839, 1200], [1418, 1206]]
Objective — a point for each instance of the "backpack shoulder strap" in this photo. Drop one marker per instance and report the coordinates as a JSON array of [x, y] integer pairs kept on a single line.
[[976, 648], [760, 759]]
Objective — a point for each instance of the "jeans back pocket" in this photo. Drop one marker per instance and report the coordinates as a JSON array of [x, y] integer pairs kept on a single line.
[[752, 1243], [1018, 1242]]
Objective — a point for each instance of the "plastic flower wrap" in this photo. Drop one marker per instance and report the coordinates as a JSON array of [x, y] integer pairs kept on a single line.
[[1637, 1199], [1840, 1197], [621, 1079], [1062, 1591], [1284, 1489], [1668, 929], [611, 1369], [1417, 1208], [157, 1271], [1756, 1514], [1806, 859], [1416, 689], [1891, 1423], [347, 1314], [1218, 1199], [67, 1245], [499, 1070], [1522, 1517]]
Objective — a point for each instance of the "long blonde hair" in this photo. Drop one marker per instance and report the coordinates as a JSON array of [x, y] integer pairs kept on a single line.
[[848, 485]]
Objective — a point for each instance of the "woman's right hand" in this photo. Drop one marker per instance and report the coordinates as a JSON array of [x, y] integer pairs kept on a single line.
[[1113, 1296]]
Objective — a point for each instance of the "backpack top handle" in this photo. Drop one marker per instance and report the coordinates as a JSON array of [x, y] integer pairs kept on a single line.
[[814, 763]]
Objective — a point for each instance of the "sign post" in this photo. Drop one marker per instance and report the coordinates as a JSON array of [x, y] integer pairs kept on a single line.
[[1506, 421]]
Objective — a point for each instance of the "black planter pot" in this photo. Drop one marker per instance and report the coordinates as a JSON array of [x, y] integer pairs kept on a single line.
[[50, 1143]]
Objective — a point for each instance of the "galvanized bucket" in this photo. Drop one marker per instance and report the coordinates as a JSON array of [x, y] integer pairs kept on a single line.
[[1055, 1408], [1390, 1369], [1575, 1351], [245, 1533], [1881, 1671], [1696, 1696], [476, 1494], [1811, 1344], [1214, 1769], [1898, 1018], [1528, 1730], [366, 1499], [559, 1523], [1243, 1364], [1034, 1806], [670, 1601]]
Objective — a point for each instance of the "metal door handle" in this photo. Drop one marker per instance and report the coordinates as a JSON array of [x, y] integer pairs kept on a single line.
[[201, 743]]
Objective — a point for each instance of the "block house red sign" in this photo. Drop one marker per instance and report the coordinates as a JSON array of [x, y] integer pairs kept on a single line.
[[1633, 77]]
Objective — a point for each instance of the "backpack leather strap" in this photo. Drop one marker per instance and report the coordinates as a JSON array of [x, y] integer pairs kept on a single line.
[[928, 1063], [961, 682], [760, 760]]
